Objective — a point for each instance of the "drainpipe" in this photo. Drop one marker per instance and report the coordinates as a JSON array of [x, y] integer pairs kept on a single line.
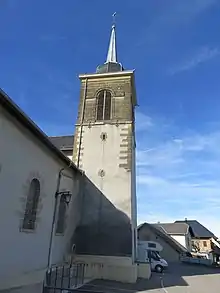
[[49, 260], [134, 210], [133, 190], [81, 122], [60, 174], [82, 197]]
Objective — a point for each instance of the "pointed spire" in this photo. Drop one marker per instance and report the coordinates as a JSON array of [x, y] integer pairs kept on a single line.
[[112, 53], [111, 64]]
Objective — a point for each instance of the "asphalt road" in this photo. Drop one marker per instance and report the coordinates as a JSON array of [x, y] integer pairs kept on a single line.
[[183, 278], [36, 288], [179, 278]]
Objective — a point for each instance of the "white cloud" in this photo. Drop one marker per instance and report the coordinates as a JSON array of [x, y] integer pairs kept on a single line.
[[203, 55], [179, 177]]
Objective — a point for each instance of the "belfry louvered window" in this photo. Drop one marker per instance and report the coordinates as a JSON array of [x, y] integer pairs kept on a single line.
[[31, 205], [104, 104]]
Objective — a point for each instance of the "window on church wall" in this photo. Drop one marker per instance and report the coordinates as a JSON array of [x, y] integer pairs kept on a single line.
[[60, 227], [107, 109], [100, 104], [31, 205], [104, 104]]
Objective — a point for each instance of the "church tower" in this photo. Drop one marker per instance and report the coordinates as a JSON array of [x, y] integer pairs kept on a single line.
[[104, 145]]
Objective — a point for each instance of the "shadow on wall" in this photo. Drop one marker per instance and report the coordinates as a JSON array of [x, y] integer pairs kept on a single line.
[[103, 229]]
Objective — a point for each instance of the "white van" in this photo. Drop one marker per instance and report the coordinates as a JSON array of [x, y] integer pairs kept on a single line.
[[149, 251], [158, 264]]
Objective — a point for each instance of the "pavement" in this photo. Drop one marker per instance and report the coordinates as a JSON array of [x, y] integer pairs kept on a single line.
[[187, 278], [35, 288], [179, 278]]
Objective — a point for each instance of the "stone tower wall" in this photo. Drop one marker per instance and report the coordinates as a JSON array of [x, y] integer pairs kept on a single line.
[[109, 166]]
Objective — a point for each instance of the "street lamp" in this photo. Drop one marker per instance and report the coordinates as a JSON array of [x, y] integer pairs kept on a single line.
[[65, 196]]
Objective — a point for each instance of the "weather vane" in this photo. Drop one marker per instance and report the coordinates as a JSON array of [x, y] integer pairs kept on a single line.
[[114, 18]]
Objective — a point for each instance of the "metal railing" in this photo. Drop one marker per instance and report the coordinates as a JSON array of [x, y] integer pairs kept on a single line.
[[66, 278]]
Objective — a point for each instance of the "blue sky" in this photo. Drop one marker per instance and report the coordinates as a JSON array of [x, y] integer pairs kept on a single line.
[[174, 45]]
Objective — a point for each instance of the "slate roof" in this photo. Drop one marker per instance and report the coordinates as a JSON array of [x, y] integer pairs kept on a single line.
[[63, 142], [161, 233], [198, 229], [173, 228], [15, 112]]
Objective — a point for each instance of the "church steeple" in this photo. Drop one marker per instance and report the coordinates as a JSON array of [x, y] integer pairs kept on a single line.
[[104, 149], [112, 53], [111, 64]]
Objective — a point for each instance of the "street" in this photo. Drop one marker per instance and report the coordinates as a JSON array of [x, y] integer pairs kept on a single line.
[[183, 278], [179, 278]]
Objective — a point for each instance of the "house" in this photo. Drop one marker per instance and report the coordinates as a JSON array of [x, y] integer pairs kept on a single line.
[[172, 249], [181, 232], [203, 240], [38, 175]]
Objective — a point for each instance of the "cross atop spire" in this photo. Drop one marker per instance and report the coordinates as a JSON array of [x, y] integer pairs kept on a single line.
[[114, 19], [112, 53], [111, 64]]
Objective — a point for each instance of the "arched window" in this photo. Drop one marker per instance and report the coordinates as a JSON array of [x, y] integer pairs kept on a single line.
[[31, 205], [104, 104]]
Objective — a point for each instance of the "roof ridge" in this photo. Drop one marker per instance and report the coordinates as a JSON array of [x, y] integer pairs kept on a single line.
[[195, 225], [18, 114], [169, 224], [167, 238], [68, 135]]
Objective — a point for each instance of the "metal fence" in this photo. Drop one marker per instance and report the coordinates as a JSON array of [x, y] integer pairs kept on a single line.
[[63, 279]]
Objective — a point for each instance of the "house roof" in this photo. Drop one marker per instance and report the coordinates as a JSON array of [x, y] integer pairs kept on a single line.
[[63, 143], [23, 119], [198, 229], [173, 228], [161, 233]]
